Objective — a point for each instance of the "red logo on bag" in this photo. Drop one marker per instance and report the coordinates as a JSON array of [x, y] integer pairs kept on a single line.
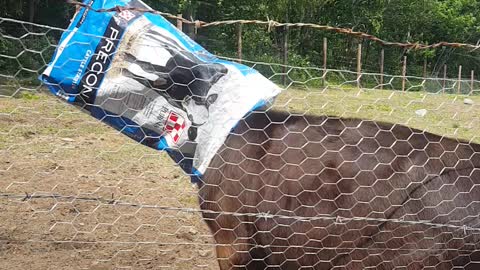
[[127, 15], [174, 127]]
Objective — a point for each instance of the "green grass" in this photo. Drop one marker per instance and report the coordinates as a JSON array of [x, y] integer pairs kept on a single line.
[[44, 115], [447, 114]]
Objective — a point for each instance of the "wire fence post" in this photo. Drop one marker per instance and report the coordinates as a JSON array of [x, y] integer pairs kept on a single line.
[[444, 86], [404, 73], [382, 66], [359, 65], [239, 41], [459, 86], [325, 50], [285, 55], [180, 22]]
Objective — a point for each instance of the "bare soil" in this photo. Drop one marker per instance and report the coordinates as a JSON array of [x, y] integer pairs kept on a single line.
[[47, 147]]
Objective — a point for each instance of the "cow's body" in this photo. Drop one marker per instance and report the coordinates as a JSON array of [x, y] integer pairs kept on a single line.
[[348, 168]]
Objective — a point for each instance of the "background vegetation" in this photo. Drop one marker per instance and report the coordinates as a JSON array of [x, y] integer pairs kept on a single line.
[[427, 21]]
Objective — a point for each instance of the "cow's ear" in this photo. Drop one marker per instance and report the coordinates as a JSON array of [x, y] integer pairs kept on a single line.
[[212, 98]]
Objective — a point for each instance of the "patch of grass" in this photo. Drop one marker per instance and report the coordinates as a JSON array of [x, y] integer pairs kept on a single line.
[[446, 112], [30, 96]]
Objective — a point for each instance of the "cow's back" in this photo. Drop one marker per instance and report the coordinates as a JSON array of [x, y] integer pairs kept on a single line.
[[323, 188]]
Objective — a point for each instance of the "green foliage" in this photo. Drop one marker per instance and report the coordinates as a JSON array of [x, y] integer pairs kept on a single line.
[[29, 96], [11, 8], [26, 56], [426, 21]]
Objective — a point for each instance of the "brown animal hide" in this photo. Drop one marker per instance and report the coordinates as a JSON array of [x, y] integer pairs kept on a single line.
[[349, 176]]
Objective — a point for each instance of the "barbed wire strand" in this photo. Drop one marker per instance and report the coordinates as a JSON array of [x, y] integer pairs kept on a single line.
[[279, 65], [335, 219], [272, 24]]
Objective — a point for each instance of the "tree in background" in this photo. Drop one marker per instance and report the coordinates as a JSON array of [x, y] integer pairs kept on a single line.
[[427, 21]]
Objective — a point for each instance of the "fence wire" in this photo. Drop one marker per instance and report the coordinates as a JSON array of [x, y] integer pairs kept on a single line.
[[337, 187], [272, 24], [335, 219]]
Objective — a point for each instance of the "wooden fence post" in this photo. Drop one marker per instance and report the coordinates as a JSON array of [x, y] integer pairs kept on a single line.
[[425, 68], [444, 86], [325, 50], [285, 55], [382, 66], [239, 41], [180, 22], [424, 73], [459, 86], [404, 73], [472, 81], [359, 65]]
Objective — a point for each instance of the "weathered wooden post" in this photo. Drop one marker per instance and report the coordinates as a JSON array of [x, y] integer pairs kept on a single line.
[[285, 55], [444, 86], [424, 74], [359, 65], [472, 81], [404, 73], [382, 66], [459, 82], [239, 42], [325, 50], [425, 68], [179, 22]]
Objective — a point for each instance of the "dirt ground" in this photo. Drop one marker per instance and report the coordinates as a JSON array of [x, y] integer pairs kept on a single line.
[[47, 147]]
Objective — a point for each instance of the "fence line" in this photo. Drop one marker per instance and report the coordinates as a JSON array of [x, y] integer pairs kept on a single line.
[[274, 24], [173, 244], [136, 243], [355, 73], [359, 73], [336, 219], [424, 226]]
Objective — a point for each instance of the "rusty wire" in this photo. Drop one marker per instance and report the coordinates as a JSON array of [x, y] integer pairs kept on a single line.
[[273, 24], [26, 197]]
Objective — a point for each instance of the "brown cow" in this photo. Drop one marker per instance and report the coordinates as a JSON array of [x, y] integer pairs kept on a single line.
[[348, 176]]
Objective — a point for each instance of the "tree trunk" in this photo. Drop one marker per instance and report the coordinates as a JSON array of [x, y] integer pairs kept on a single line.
[[31, 10]]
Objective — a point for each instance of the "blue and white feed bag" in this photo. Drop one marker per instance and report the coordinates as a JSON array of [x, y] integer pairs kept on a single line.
[[138, 73]]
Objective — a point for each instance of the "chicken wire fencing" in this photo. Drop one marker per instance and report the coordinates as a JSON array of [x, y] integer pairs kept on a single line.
[[345, 171]]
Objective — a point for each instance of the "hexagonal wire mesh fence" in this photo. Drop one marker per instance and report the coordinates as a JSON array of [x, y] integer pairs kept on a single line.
[[336, 175]]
